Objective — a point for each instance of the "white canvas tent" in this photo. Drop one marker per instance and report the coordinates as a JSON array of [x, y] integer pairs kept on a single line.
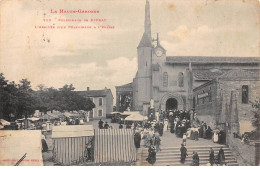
[[14, 144], [136, 117], [69, 143]]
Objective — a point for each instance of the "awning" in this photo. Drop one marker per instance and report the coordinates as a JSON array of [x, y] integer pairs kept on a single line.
[[115, 112], [72, 131], [127, 113], [67, 114], [33, 118], [49, 117], [4, 122], [136, 117]]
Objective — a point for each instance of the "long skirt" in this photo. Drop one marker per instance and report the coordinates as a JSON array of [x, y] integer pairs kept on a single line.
[[215, 138], [44, 146], [192, 135], [196, 135]]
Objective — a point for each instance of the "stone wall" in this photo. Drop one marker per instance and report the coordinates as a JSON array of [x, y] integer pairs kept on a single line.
[[245, 154], [244, 110]]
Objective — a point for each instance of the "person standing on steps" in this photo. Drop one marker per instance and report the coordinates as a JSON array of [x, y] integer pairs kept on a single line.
[[211, 156], [184, 139], [183, 151], [152, 155], [221, 156], [195, 159]]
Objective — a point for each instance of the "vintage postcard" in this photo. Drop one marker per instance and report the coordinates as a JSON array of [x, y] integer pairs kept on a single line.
[[129, 83]]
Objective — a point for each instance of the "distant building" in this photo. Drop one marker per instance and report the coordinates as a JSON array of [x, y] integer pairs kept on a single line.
[[103, 100], [124, 97]]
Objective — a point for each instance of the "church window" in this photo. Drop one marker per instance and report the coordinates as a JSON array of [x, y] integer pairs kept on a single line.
[[210, 95], [203, 99], [165, 79], [245, 94], [181, 79]]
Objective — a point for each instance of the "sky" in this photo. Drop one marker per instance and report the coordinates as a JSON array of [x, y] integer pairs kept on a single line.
[[99, 58]]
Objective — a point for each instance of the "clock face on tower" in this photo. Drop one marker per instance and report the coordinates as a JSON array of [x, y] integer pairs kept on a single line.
[[159, 52]]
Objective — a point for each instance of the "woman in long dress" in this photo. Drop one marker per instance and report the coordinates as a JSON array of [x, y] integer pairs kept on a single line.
[[215, 136], [165, 128], [211, 157]]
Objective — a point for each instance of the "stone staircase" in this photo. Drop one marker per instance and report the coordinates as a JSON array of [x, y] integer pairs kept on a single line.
[[170, 156]]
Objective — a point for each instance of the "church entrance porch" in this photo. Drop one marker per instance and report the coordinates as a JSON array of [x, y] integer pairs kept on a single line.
[[171, 104], [171, 101]]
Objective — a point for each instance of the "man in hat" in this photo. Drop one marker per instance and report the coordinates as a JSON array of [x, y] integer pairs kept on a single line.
[[137, 139], [211, 156], [195, 159], [183, 151], [161, 128], [106, 126], [100, 124]]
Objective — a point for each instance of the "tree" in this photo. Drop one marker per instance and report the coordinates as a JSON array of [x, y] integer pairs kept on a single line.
[[256, 118], [26, 99]]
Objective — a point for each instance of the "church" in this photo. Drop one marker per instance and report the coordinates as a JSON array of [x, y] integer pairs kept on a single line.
[[167, 82]]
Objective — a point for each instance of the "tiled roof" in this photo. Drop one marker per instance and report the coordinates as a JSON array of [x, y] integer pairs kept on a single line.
[[207, 74], [94, 93], [125, 86], [237, 74], [145, 41], [211, 59]]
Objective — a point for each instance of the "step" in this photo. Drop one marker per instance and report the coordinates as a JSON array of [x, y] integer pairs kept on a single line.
[[203, 160], [206, 146], [195, 149], [187, 163], [178, 157], [161, 153], [178, 153]]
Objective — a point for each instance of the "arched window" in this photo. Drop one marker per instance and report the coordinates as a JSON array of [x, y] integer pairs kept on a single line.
[[165, 79], [181, 79]]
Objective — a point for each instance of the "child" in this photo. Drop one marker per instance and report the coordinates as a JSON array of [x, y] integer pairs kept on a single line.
[[184, 139]]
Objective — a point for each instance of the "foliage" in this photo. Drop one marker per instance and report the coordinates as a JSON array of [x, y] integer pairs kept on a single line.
[[256, 119], [19, 100]]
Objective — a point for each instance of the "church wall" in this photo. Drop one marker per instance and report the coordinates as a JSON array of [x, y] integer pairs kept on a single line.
[[244, 109], [160, 90]]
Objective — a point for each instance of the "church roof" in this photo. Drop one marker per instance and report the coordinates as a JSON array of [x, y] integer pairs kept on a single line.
[[235, 74], [125, 86], [207, 74], [145, 41], [241, 74], [211, 59]]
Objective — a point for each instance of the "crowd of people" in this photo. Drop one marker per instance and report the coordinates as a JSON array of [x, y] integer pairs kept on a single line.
[[213, 160], [184, 124]]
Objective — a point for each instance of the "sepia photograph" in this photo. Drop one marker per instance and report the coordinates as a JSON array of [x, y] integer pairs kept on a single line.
[[129, 83]]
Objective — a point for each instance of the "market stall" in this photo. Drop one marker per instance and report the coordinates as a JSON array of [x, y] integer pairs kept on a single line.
[[70, 143], [114, 145]]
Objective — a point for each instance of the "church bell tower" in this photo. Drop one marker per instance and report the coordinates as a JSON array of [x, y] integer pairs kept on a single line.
[[144, 75]]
